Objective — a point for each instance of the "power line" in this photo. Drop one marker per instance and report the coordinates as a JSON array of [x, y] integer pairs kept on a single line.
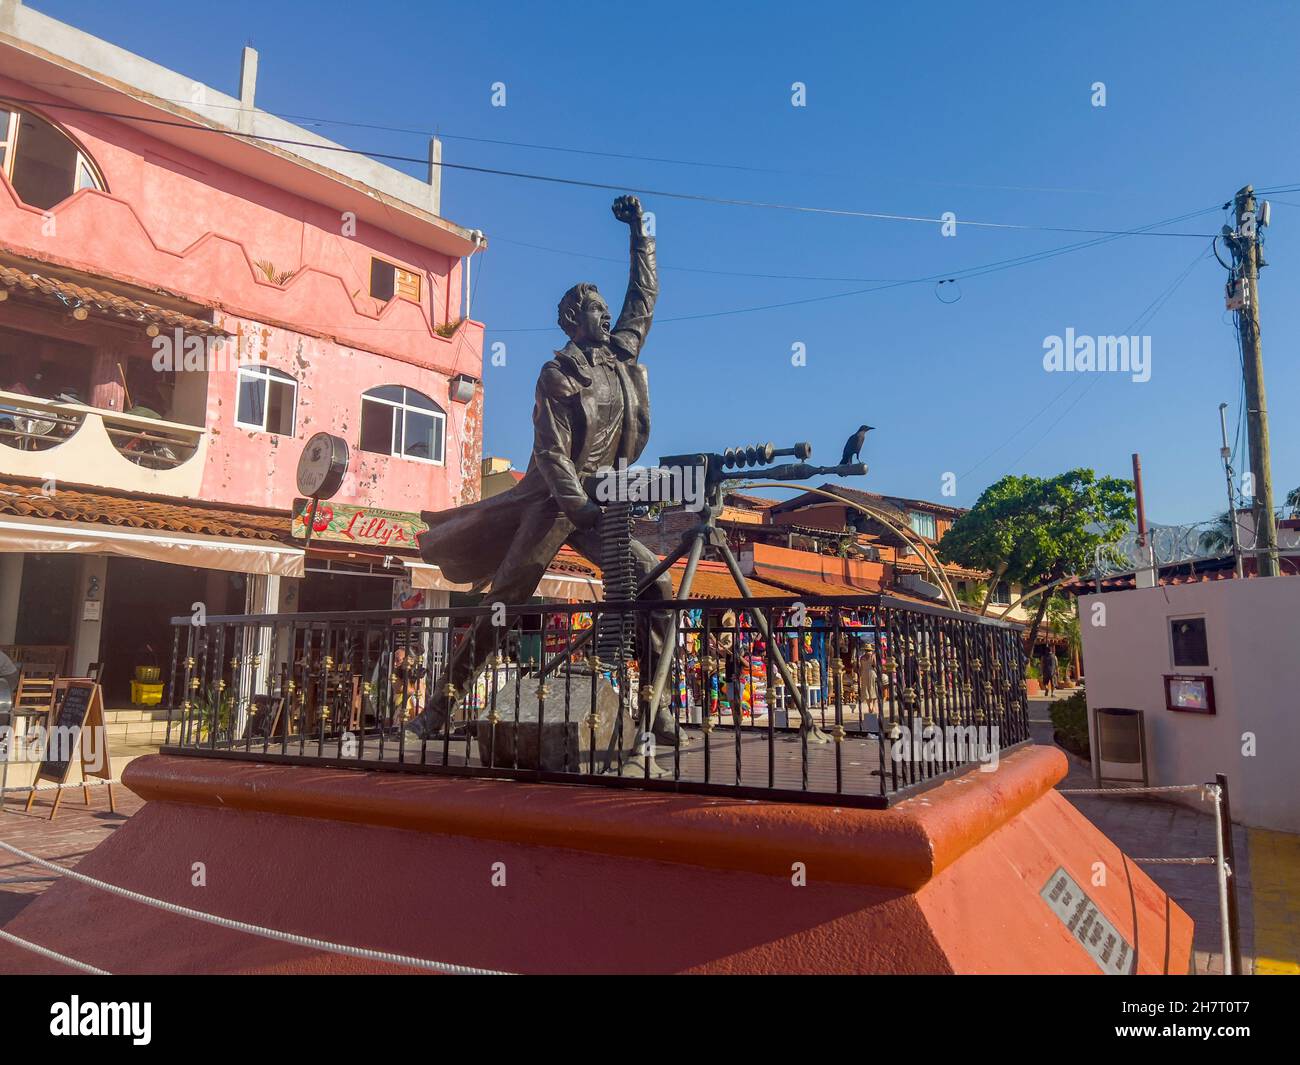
[[319, 120], [695, 269], [1051, 402], [963, 274], [1141, 321], [581, 183], [974, 271]]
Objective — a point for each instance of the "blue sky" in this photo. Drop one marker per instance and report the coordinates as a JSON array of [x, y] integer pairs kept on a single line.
[[982, 110]]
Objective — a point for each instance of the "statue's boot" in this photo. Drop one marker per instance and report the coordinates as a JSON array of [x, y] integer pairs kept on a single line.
[[431, 722], [665, 729]]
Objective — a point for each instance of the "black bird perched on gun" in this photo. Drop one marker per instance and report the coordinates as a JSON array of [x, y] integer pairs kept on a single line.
[[853, 445]]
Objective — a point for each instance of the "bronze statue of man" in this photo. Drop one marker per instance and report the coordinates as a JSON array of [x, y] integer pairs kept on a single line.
[[592, 409]]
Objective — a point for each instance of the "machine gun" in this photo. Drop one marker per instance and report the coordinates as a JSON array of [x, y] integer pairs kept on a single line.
[[714, 469], [703, 475]]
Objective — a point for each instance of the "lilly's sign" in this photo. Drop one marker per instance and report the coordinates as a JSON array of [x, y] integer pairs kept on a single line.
[[367, 526]]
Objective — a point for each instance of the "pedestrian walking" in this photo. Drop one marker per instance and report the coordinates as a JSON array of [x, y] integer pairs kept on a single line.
[[1049, 672], [868, 691]]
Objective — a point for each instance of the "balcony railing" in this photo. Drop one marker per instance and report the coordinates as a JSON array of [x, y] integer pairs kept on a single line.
[[75, 442], [793, 717], [31, 424]]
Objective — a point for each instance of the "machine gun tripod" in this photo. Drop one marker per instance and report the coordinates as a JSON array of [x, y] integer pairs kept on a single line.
[[712, 470]]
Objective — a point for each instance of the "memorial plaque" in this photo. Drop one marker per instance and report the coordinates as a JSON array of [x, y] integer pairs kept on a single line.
[[1103, 942]]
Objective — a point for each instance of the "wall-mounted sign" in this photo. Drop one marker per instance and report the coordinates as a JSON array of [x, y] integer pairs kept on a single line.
[[1103, 942], [1190, 693], [366, 526], [322, 466]]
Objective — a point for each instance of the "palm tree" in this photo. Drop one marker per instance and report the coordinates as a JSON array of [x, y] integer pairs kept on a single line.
[[1217, 539]]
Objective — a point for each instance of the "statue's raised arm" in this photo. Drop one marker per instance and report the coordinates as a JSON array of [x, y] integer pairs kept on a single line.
[[642, 286]]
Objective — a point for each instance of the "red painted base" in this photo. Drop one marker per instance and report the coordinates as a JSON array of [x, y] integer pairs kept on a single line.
[[551, 878]]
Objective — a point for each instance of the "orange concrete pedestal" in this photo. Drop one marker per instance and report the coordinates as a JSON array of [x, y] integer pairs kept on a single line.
[[551, 878]]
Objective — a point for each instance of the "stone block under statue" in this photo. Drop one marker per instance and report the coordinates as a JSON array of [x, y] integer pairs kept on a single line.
[[570, 739]]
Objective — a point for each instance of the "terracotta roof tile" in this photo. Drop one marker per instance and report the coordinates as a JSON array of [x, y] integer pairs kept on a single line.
[[807, 583], [141, 512], [109, 304], [719, 584], [755, 502]]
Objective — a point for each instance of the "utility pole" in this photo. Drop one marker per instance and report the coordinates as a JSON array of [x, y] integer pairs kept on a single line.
[[1244, 293], [1146, 575], [1225, 453]]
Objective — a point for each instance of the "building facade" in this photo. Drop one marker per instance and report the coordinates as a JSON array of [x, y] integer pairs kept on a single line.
[[185, 299], [1204, 669]]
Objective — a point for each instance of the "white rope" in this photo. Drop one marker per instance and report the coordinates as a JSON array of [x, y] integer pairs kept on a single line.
[[51, 786], [1176, 861], [252, 929], [1129, 791], [45, 952]]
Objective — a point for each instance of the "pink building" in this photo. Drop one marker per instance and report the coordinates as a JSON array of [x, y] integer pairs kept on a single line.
[[185, 299]]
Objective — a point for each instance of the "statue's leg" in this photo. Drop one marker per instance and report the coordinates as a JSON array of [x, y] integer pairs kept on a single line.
[[535, 543]]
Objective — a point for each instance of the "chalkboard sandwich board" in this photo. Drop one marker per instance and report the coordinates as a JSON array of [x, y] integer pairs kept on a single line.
[[81, 708]]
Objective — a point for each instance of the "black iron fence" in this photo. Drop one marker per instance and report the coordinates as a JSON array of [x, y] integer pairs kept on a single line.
[[847, 699]]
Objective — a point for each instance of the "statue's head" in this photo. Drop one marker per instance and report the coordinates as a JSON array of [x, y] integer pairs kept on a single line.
[[584, 315]]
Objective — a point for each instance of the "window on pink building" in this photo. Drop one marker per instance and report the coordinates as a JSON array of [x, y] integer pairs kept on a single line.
[[42, 162], [402, 422], [387, 281], [267, 400]]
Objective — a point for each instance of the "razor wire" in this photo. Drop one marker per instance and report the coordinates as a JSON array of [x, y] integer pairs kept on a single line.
[[1167, 545]]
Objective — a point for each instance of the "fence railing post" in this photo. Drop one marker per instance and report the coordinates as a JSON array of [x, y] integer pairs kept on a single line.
[[1229, 877]]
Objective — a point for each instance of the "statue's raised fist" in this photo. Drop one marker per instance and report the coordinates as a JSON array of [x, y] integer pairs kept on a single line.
[[628, 209]]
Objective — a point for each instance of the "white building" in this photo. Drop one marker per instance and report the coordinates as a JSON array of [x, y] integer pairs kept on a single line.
[[1242, 636]]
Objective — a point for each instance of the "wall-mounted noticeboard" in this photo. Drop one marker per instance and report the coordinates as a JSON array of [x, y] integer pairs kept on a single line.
[[1190, 693]]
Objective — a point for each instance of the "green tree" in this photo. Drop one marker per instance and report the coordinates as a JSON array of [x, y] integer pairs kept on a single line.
[[1293, 502], [990, 535], [1063, 618], [1034, 531]]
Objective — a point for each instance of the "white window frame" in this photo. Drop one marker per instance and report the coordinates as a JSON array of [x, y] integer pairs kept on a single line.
[[7, 141], [10, 141], [923, 516], [267, 374], [437, 413]]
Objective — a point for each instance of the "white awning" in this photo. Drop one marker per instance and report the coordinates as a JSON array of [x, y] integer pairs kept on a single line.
[[555, 585], [203, 552], [570, 586], [424, 575]]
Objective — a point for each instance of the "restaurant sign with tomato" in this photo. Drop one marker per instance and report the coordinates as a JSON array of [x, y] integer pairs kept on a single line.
[[367, 526]]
